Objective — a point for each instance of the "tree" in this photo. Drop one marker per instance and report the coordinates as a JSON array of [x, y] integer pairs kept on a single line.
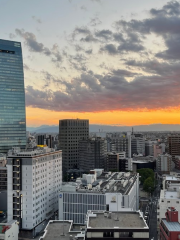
[[146, 173], [148, 185]]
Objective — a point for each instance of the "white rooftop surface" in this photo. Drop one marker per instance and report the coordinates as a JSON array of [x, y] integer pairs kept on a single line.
[[169, 178], [172, 226], [169, 194]]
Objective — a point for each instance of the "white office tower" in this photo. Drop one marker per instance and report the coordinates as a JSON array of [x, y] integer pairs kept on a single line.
[[98, 190], [34, 180]]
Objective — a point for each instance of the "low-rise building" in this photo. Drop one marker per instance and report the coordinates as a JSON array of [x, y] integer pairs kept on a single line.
[[118, 162], [116, 225], [169, 226], [139, 162], [63, 230], [98, 191], [9, 230], [169, 197]]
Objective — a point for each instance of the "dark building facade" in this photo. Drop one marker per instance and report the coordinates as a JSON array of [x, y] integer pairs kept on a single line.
[[174, 146], [12, 97], [92, 153], [70, 132], [45, 140], [112, 162], [3, 178]]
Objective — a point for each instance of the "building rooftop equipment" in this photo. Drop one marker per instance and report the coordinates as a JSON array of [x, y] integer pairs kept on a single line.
[[120, 182]]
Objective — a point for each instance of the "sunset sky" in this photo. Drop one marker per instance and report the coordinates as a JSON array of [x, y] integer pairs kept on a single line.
[[112, 61]]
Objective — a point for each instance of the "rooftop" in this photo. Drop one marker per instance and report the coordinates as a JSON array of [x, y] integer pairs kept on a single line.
[[169, 194], [172, 226], [56, 230], [126, 220], [106, 182], [16, 151]]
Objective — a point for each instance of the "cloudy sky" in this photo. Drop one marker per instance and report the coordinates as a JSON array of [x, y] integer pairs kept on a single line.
[[112, 61]]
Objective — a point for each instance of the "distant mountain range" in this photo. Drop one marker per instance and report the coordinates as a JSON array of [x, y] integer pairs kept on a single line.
[[110, 128]]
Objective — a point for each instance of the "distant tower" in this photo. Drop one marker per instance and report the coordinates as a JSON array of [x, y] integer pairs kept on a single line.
[[132, 131]]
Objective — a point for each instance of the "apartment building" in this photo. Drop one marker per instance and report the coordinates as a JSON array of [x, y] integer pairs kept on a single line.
[[164, 163], [34, 180]]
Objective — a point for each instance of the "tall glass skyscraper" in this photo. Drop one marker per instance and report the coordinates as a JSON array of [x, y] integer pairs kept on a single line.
[[12, 97]]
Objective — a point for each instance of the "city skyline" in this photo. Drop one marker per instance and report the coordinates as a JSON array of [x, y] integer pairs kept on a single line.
[[109, 61]]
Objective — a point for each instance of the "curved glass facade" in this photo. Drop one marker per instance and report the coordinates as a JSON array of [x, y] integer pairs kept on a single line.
[[12, 97]]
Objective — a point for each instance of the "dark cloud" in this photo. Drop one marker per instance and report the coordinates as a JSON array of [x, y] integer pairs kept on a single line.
[[110, 49], [123, 73], [111, 91], [164, 22], [118, 37], [31, 42], [130, 47], [170, 9], [80, 31], [34, 46], [105, 34], [173, 45], [156, 67], [89, 51], [89, 38]]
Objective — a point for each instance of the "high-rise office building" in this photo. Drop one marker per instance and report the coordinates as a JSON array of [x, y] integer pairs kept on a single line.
[[70, 132], [12, 97], [92, 153]]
